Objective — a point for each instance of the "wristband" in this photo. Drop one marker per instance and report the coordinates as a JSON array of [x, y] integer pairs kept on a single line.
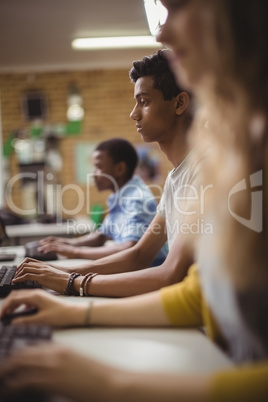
[[81, 290], [88, 279], [70, 286]]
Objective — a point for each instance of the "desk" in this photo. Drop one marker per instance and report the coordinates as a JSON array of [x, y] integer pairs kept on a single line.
[[156, 350], [18, 250], [20, 234], [159, 350]]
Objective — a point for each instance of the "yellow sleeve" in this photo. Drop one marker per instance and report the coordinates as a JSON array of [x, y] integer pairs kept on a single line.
[[182, 302], [246, 384]]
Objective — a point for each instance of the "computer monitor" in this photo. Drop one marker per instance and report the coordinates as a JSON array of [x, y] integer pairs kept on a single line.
[[4, 240], [3, 235]]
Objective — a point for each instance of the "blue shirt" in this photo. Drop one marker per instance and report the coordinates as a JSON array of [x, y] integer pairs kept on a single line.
[[131, 210]]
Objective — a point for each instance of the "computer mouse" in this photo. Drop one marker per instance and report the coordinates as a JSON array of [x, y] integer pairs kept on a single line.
[[7, 318], [31, 250]]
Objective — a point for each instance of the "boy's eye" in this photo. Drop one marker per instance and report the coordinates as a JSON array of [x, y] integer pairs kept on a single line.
[[143, 102]]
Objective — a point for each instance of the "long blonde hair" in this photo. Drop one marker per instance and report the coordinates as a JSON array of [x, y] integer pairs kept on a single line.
[[232, 123]]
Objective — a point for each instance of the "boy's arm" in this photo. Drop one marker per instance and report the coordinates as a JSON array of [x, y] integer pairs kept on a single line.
[[94, 253], [140, 256], [135, 258], [173, 270], [68, 247]]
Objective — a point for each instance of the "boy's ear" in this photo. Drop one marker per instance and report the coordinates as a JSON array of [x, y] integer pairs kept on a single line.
[[182, 104], [121, 168]]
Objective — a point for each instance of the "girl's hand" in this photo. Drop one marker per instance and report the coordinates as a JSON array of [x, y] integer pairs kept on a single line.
[[51, 310]]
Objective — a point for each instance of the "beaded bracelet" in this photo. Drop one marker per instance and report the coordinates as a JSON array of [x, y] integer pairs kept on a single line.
[[70, 286], [89, 278]]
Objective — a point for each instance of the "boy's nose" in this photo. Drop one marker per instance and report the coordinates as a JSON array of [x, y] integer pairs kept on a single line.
[[133, 114]]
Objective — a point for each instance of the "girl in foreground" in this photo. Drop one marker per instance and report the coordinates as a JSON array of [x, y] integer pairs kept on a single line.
[[221, 54]]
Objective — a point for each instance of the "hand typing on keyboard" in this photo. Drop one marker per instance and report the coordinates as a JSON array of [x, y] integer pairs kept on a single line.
[[7, 274], [43, 273]]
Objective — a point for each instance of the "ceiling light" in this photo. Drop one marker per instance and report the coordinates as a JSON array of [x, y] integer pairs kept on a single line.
[[119, 42], [156, 15]]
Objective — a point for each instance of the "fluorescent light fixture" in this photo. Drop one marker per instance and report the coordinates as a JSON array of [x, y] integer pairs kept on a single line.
[[156, 15], [119, 42]]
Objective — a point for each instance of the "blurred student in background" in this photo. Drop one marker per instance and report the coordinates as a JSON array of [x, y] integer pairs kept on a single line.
[[132, 206]]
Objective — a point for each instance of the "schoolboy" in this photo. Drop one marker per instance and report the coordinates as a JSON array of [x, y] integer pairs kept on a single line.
[[131, 205]]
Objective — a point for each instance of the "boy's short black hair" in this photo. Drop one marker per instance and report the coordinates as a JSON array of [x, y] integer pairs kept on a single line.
[[157, 67], [121, 150]]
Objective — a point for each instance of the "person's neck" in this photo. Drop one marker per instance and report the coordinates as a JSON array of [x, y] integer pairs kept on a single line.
[[175, 148], [121, 182]]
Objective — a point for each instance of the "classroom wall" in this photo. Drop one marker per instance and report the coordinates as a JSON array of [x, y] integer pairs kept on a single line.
[[107, 101]]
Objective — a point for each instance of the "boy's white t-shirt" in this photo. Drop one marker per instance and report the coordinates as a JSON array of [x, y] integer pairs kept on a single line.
[[179, 187]]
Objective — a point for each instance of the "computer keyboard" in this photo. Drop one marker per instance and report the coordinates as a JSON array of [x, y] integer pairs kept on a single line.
[[7, 273], [13, 338]]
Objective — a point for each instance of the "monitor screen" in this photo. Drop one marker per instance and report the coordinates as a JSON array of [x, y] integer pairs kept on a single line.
[[3, 235]]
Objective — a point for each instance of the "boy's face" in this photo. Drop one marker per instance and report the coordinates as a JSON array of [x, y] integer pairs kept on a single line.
[[155, 117], [104, 171]]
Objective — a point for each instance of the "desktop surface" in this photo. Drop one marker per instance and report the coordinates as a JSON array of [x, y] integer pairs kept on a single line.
[[20, 234], [17, 251], [154, 349]]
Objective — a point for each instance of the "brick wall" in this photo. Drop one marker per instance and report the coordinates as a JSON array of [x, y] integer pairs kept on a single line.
[[107, 101]]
